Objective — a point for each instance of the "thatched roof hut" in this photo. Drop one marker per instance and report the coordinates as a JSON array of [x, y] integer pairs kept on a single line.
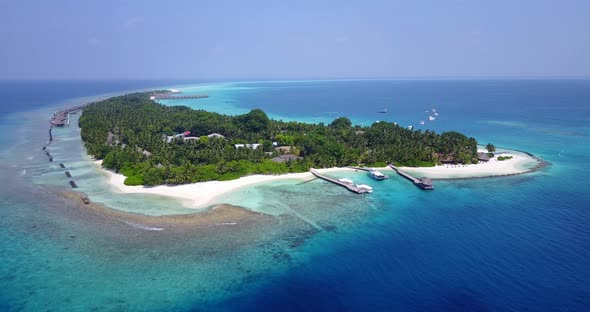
[[483, 157]]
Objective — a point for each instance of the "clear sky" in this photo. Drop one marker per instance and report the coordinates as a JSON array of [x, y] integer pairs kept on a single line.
[[254, 39]]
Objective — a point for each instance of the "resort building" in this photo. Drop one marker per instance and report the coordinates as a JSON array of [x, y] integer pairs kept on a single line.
[[185, 136], [285, 158], [215, 135], [483, 157], [252, 146]]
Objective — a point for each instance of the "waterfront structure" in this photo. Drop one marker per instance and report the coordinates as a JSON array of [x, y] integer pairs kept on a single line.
[[359, 189], [423, 183], [483, 157]]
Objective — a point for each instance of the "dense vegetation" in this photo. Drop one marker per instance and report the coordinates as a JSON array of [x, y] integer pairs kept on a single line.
[[128, 134]]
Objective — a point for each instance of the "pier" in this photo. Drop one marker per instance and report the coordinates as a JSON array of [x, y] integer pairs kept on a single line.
[[62, 118], [423, 183], [351, 187], [385, 177]]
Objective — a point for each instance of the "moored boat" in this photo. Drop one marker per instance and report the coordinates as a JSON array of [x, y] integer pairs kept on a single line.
[[377, 175], [365, 188]]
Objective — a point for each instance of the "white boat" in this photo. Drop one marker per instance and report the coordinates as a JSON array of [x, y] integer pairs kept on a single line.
[[410, 127], [347, 181], [435, 114], [383, 111], [377, 175], [431, 118], [365, 187], [421, 122]]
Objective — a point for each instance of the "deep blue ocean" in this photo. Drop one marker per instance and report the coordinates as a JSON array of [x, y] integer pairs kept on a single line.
[[517, 243]]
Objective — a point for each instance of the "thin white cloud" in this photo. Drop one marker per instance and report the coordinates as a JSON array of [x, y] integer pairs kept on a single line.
[[341, 39], [133, 22], [93, 41]]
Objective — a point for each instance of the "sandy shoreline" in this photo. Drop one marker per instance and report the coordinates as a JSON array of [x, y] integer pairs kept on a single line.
[[204, 194], [520, 163]]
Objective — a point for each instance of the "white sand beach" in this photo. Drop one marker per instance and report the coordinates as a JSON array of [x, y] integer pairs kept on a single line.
[[519, 163], [202, 194]]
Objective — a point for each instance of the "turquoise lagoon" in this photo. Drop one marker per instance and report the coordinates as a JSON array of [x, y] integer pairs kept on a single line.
[[489, 244]]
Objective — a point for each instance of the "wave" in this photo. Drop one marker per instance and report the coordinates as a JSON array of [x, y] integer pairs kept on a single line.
[[142, 226]]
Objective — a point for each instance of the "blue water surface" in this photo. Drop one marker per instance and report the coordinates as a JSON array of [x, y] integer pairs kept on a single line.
[[516, 243]]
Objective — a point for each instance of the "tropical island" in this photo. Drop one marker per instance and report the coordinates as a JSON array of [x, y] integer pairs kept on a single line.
[[153, 144]]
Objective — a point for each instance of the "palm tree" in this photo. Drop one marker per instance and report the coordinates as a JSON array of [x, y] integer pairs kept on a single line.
[[491, 148]]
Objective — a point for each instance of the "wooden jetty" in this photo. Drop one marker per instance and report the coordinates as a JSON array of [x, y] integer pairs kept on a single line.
[[62, 118], [351, 187], [385, 177], [423, 183]]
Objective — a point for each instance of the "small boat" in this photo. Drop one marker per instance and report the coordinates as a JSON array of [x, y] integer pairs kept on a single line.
[[410, 127], [365, 187], [431, 118], [347, 181], [421, 122], [435, 114], [383, 111], [377, 175]]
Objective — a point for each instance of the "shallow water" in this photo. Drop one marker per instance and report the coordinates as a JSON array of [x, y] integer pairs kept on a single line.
[[508, 243]]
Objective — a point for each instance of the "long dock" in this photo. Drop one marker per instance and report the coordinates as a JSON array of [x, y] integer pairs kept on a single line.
[[62, 118], [367, 170], [351, 187], [423, 183]]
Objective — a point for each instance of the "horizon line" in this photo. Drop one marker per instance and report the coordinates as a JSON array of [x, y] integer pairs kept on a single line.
[[235, 79]]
